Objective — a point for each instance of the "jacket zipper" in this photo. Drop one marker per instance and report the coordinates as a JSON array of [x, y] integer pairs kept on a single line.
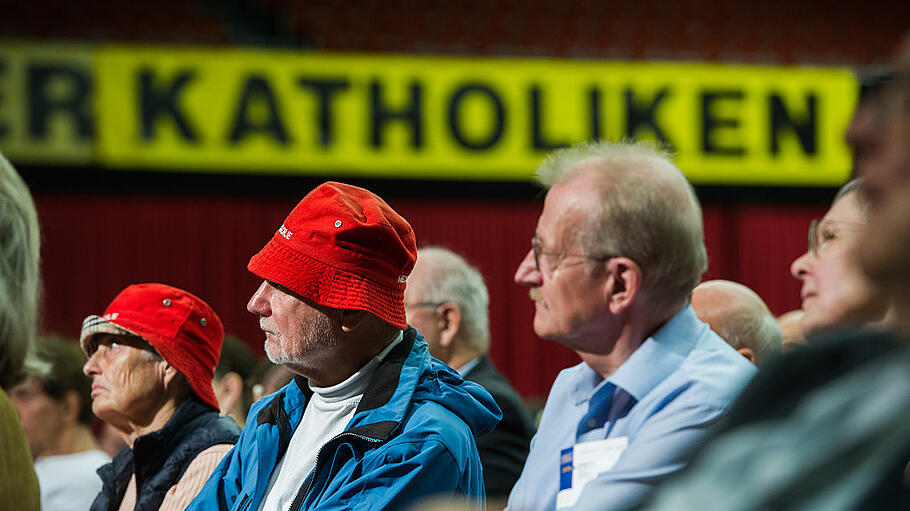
[[307, 485]]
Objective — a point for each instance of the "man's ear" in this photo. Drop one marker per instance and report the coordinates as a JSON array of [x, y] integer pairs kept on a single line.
[[623, 283], [748, 353], [71, 404], [351, 319], [449, 315]]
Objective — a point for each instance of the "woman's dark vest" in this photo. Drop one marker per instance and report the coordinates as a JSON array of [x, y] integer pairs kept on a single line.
[[160, 458]]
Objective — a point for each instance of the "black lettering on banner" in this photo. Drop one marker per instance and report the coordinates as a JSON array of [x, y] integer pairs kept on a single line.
[[325, 90], [257, 93], [155, 103], [44, 104], [594, 103], [710, 123], [381, 114], [498, 128], [539, 143], [4, 128], [644, 116], [805, 129]]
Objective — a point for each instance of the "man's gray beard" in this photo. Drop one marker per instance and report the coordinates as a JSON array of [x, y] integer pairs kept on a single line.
[[316, 332]]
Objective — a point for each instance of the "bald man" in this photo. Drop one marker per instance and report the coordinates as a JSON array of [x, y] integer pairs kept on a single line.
[[740, 317]]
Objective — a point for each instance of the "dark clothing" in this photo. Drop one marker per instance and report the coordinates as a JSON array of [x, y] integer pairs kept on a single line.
[[784, 381], [503, 451], [831, 420], [160, 458]]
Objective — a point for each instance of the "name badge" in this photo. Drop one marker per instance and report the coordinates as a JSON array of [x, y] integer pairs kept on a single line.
[[583, 462]]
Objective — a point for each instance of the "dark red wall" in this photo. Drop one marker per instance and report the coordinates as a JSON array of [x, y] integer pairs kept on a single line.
[[96, 244]]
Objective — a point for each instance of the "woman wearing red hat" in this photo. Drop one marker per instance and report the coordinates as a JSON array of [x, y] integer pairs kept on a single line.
[[152, 356]]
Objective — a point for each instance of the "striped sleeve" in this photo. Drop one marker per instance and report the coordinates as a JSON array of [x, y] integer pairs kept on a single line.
[[197, 473]]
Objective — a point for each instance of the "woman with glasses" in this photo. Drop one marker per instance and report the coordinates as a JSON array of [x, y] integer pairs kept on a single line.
[[835, 291]]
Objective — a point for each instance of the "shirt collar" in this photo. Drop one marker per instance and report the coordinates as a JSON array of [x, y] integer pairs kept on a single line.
[[466, 367], [660, 354]]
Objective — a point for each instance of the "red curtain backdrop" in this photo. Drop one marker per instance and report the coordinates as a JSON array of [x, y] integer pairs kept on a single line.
[[96, 244]]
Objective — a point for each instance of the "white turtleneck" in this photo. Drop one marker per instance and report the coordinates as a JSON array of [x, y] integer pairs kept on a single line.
[[327, 414]]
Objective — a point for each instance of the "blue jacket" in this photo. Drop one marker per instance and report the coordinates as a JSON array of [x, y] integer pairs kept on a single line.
[[412, 436]]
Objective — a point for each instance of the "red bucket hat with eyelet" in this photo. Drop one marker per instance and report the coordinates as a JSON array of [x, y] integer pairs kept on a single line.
[[343, 247], [181, 327]]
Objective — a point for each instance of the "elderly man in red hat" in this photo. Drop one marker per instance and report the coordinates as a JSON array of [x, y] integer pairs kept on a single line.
[[152, 356], [372, 421]]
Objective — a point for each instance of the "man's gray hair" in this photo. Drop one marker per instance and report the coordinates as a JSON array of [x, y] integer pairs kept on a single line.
[[754, 329], [449, 278], [739, 316], [19, 275], [647, 212]]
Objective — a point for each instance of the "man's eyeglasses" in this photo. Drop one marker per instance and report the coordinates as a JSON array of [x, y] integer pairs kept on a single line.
[[822, 232], [538, 251]]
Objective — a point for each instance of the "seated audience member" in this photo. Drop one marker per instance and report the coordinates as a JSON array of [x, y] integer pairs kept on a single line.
[[738, 316], [152, 357], [269, 378], [372, 421], [447, 302], [55, 406], [825, 427], [232, 379], [19, 289], [617, 251], [792, 335], [835, 291]]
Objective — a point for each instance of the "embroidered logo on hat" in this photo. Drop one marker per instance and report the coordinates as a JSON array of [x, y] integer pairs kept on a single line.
[[356, 253]]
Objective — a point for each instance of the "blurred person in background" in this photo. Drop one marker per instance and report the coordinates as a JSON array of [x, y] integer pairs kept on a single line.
[[447, 302], [109, 439], [268, 378], [55, 405], [793, 336], [831, 417], [835, 291], [371, 420], [19, 297], [740, 317], [152, 357], [233, 379], [617, 251]]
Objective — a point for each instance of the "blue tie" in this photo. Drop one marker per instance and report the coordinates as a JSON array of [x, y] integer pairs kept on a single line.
[[606, 405]]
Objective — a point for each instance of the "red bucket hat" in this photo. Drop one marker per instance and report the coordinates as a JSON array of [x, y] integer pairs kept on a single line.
[[343, 247], [181, 327]]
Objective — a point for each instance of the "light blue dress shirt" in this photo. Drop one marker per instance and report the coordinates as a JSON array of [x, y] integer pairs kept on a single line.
[[663, 399]]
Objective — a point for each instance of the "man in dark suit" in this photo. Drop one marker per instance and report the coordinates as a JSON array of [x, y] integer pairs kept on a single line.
[[446, 300]]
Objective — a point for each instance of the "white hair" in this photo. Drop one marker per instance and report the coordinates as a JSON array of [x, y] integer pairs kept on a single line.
[[739, 316], [19, 272], [449, 278], [647, 212]]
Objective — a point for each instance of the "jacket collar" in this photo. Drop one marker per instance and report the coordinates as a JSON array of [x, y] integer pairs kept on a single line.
[[393, 382]]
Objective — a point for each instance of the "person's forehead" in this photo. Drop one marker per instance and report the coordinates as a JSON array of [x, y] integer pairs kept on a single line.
[[845, 209], [565, 207]]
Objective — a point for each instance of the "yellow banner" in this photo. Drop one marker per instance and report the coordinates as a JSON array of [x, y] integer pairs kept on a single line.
[[261, 111], [46, 103]]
